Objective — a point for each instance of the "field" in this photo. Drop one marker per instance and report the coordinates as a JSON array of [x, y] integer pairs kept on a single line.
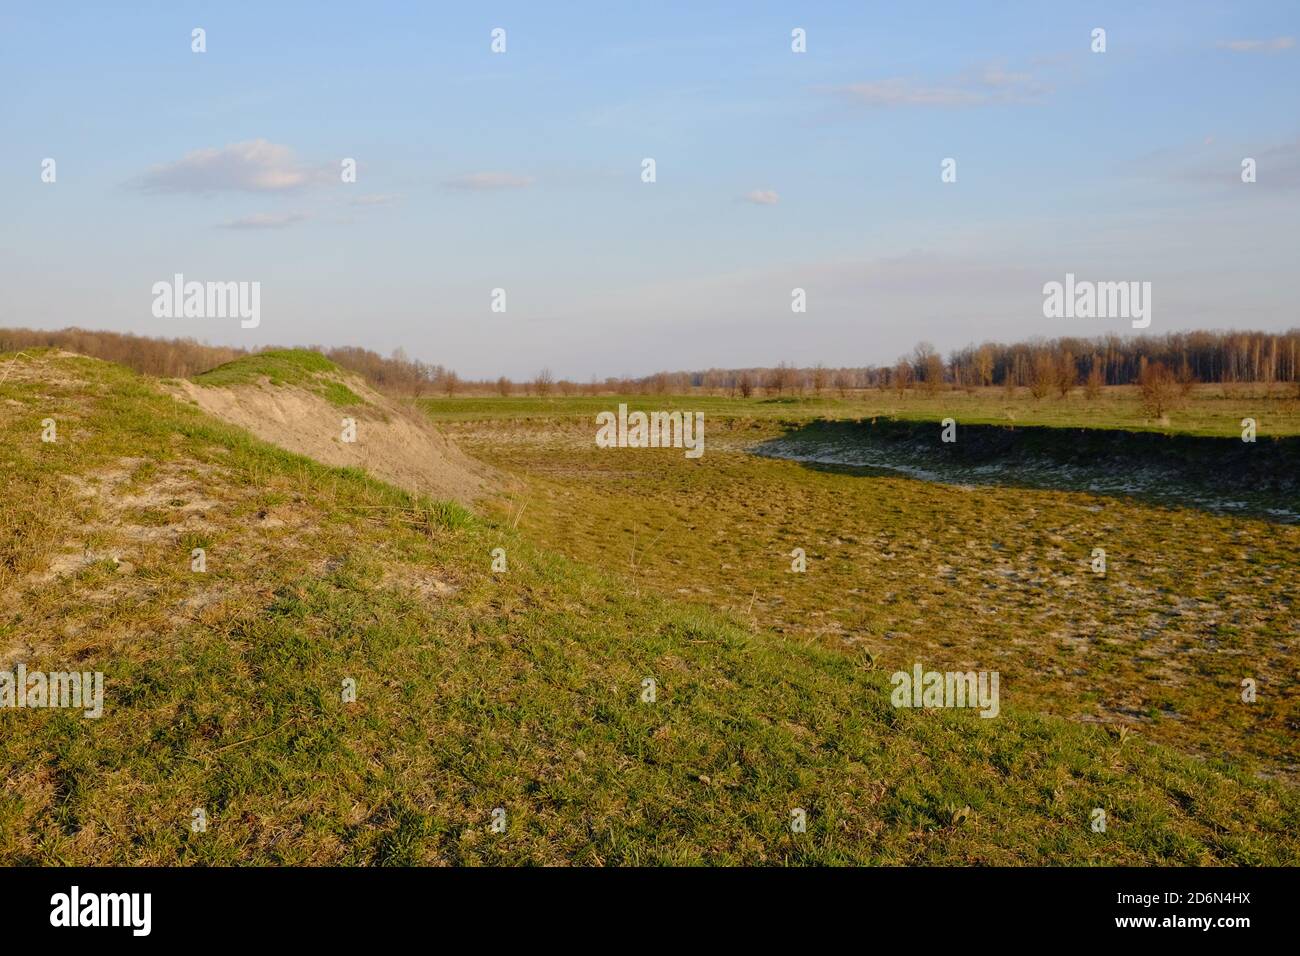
[[899, 570], [519, 696], [1215, 410]]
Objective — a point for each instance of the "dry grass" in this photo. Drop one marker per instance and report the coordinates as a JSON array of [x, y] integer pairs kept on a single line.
[[993, 577], [479, 690]]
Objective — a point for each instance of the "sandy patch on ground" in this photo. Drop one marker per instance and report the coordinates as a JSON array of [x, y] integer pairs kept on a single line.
[[392, 443], [38, 368]]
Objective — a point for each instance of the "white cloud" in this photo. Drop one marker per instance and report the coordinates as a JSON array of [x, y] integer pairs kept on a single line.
[[1278, 167], [1275, 45], [487, 180], [899, 92], [253, 166], [375, 199], [976, 87], [264, 220], [763, 197]]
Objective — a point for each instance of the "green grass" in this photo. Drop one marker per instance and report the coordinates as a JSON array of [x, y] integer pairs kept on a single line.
[[989, 577], [285, 367], [479, 690]]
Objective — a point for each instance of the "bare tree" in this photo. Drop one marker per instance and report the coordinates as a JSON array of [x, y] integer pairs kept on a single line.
[[984, 365], [450, 382], [902, 376], [504, 385], [780, 378], [1044, 376], [1067, 373], [820, 378], [1158, 389], [542, 384], [929, 366], [1092, 387], [745, 384]]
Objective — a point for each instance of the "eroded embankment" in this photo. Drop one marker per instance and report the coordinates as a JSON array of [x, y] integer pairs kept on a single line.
[[370, 432], [1217, 474]]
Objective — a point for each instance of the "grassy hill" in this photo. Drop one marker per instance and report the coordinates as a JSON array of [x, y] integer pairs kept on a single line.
[[477, 691], [286, 367]]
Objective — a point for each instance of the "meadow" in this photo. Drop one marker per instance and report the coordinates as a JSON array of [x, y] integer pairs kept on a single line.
[[1210, 410], [519, 696], [995, 576]]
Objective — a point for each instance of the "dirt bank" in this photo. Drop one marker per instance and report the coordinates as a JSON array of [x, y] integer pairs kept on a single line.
[[392, 442]]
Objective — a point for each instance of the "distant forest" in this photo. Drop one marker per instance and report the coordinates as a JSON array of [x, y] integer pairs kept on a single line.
[[1042, 366]]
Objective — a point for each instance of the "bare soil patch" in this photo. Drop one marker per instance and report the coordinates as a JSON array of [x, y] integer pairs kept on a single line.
[[397, 445]]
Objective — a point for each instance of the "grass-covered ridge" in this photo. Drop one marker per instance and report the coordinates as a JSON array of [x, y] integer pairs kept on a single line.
[[478, 690], [279, 367]]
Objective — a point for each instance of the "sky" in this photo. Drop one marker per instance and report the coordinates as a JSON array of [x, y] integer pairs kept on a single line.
[[522, 170]]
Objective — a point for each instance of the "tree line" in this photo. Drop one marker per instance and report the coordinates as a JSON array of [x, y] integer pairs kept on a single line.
[[1043, 366]]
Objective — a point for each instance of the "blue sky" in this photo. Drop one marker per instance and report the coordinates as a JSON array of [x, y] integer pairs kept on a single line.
[[522, 170]]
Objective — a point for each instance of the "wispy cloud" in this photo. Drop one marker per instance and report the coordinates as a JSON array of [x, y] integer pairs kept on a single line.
[[1280, 165], [763, 197], [264, 220], [253, 166], [1275, 45], [1209, 164], [1277, 168], [375, 199], [487, 180], [980, 86]]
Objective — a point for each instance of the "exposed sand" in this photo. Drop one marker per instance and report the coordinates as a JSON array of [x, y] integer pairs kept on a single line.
[[392, 442]]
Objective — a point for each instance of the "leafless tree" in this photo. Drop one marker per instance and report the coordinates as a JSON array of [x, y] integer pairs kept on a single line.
[[928, 366], [1096, 379], [984, 365], [902, 376], [1044, 376], [780, 379], [1158, 389], [1067, 373]]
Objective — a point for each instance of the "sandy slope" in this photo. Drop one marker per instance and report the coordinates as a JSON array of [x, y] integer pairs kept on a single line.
[[392, 442]]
